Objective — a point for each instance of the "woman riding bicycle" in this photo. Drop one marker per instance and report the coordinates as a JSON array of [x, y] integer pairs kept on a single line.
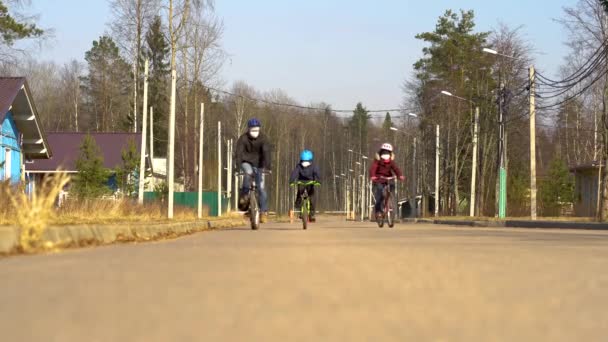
[[383, 167], [308, 173]]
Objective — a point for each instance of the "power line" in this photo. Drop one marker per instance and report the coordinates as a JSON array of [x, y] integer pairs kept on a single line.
[[290, 105]]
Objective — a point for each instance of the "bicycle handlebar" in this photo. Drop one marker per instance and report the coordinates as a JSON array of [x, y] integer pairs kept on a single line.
[[315, 183], [265, 173]]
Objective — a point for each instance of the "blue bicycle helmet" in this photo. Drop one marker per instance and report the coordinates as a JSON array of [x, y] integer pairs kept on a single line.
[[253, 122], [306, 155]]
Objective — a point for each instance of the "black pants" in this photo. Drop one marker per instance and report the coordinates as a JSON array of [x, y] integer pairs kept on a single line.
[[311, 195], [379, 195]]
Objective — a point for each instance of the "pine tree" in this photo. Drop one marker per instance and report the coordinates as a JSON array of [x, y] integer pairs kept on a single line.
[[557, 189], [358, 128], [389, 134], [92, 178], [157, 52], [107, 86], [12, 30], [127, 173]]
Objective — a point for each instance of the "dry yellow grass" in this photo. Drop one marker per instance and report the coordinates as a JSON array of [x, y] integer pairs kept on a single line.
[[101, 211], [33, 214]]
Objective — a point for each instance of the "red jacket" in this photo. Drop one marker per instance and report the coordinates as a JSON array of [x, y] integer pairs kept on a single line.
[[382, 169]]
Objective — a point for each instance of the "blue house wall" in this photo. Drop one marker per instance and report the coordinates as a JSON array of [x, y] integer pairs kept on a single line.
[[9, 143]]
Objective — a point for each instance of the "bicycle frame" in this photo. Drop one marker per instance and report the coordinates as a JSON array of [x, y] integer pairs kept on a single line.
[[305, 207], [254, 209], [387, 208]]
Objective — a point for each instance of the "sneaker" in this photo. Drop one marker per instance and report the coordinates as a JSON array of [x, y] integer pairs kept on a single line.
[[264, 218], [313, 219], [379, 217], [243, 202]]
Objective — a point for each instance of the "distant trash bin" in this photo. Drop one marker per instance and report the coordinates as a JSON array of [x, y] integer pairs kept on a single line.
[[405, 209]]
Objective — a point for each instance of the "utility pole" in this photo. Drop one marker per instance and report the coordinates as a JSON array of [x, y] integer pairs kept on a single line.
[[151, 152], [532, 144], [219, 168], [502, 172], [354, 196], [347, 197], [200, 162], [236, 191], [142, 158], [171, 150], [474, 166], [229, 175], [413, 181], [362, 186], [437, 172], [370, 190], [135, 97]]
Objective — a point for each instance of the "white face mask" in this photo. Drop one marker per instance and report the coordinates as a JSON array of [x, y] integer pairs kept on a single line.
[[385, 156], [305, 163], [254, 132]]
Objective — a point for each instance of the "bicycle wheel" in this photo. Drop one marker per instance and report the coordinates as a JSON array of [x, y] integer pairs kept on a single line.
[[305, 214], [390, 219], [254, 213]]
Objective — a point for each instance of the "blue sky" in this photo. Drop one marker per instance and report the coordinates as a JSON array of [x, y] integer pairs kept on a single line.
[[337, 51]]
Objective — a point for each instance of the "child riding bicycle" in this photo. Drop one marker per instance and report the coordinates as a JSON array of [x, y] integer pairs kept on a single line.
[[305, 174], [383, 167]]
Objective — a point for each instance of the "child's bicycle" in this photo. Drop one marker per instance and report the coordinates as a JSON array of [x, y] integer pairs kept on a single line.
[[388, 213], [254, 200], [305, 208]]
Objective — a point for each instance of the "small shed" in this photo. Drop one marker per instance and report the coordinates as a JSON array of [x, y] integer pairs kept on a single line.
[[586, 189], [21, 135]]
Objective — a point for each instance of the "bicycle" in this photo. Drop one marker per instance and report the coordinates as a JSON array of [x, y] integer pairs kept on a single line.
[[305, 207], [388, 213], [254, 200]]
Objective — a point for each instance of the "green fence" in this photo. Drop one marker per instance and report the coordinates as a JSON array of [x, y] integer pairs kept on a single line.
[[190, 199]]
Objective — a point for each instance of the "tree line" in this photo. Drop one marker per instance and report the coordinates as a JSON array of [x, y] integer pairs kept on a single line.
[[104, 91]]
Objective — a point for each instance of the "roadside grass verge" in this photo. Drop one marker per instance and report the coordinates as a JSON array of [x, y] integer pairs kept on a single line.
[[493, 219], [34, 213]]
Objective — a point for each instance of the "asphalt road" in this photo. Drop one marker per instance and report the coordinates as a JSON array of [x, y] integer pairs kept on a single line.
[[337, 281]]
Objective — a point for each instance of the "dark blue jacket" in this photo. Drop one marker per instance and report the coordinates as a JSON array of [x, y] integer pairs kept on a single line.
[[301, 173], [256, 152]]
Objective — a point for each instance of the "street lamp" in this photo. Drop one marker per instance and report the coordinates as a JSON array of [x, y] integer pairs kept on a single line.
[[361, 193], [475, 139], [494, 52]]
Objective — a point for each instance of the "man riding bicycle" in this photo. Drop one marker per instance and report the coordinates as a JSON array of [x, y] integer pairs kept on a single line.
[[383, 167], [253, 152], [306, 172]]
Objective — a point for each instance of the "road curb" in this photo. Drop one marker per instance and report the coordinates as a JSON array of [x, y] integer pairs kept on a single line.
[[515, 224], [93, 235]]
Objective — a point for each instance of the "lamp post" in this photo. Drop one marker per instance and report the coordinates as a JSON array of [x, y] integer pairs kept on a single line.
[[475, 143], [363, 176], [413, 177]]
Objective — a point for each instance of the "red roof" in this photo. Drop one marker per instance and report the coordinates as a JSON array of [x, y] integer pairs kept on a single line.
[[66, 149]]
